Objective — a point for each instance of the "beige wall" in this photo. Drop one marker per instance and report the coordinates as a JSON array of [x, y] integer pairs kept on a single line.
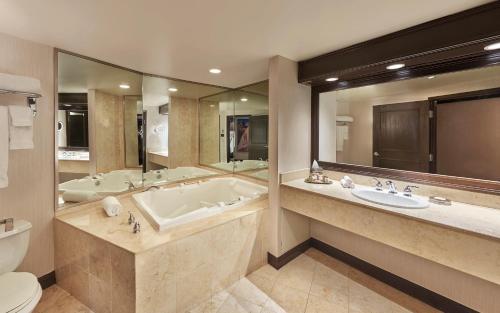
[[183, 132], [209, 132], [289, 148], [106, 140], [30, 194]]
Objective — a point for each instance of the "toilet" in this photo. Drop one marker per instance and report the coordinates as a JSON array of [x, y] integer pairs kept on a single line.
[[19, 292]]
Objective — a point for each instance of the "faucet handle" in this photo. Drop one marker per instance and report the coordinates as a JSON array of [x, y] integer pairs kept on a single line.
[[131, 218], [378, 185], [137, 227], [407, 190]]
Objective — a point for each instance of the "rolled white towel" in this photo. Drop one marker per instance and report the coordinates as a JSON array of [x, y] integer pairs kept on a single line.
[[79, 196], [111, 205]]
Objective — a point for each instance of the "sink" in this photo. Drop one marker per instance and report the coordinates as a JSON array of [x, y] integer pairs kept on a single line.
[[394, 200]]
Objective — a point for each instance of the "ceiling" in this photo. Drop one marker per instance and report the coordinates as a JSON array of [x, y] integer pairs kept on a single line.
[[185, 38], [422, 88], [77, 75]]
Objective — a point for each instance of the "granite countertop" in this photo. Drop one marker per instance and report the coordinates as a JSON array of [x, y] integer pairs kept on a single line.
[[470, 218], [91, 219]]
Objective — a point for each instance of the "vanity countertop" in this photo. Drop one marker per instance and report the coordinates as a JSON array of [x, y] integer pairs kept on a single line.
[[470, 218]]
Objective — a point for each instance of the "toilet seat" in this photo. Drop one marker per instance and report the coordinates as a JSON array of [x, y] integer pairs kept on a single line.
[[19, 292]]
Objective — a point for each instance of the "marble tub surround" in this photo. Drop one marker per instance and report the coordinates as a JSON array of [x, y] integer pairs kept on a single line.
[[98, 274], [467, 251], [100, 261], [170, 277]]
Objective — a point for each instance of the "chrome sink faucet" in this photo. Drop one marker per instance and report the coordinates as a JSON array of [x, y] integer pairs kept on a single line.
[[392, 187], [9, 224]]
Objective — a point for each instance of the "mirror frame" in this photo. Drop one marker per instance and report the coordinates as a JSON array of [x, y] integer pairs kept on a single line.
[[463, 38]]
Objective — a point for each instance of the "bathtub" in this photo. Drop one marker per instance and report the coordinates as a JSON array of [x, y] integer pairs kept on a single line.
[[165, 208], [171, 175], [105, 184], [239, 166]]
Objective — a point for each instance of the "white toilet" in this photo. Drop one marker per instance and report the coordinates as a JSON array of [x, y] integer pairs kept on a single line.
[[19, 292]]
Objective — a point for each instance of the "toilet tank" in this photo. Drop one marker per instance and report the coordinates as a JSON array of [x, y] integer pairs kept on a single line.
[[13, 245]]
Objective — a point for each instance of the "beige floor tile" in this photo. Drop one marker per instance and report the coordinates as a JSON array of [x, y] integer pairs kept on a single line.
[[67, 305], [272, 307], [50, 297], [319, 305], [364, 300], [303, 262], [290, 299], [390, 293], [246, 290], [261, 282], [238, 305], [268, 272], [330, 286], [295, 277]]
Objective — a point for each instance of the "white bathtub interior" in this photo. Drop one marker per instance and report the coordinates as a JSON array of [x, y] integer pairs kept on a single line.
[[168, 207]]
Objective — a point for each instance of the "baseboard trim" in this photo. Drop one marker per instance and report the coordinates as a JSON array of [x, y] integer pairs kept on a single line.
[[416, 291], [282, 260], [47, 280]]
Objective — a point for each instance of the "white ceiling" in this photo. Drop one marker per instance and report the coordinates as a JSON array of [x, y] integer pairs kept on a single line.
[[422, 88], [79, 75], [184, 38]]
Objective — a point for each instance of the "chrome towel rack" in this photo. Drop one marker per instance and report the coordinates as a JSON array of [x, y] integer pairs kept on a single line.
[[31, 97]]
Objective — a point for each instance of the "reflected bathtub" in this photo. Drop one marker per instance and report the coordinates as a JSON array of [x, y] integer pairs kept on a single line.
[[162, 176], [105, 184], [166, 208]]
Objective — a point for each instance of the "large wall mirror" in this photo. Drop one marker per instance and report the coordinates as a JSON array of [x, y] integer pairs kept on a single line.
[[119, 130], [234, 130], [99, 127], [173, 133], [446, 124]]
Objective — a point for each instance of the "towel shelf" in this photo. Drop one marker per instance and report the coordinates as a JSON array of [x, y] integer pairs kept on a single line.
[[30, 97]]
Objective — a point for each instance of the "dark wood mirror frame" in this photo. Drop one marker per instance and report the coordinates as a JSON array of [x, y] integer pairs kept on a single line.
[[460, 46]]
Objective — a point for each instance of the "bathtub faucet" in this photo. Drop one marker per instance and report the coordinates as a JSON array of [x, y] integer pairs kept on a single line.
[[130, 184], [137, 228]]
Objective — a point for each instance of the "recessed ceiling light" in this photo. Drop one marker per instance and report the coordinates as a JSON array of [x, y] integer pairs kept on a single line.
[[431, 77], [493, 46], [172, 89], [332, 79], [124, 86], [215, 71], [395, 66], [244, 99], [212, 105]]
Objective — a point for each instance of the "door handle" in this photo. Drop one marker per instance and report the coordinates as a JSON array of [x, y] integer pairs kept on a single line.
[[376, 154]]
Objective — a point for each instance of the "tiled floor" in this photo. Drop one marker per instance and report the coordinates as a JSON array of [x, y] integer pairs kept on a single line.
[[312, 283], [56, 300]]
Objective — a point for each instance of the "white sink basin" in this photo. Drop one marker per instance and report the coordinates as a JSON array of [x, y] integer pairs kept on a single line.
[[394, 200]]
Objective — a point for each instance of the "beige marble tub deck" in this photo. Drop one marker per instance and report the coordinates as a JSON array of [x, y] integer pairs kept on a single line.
[[92, 219]]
